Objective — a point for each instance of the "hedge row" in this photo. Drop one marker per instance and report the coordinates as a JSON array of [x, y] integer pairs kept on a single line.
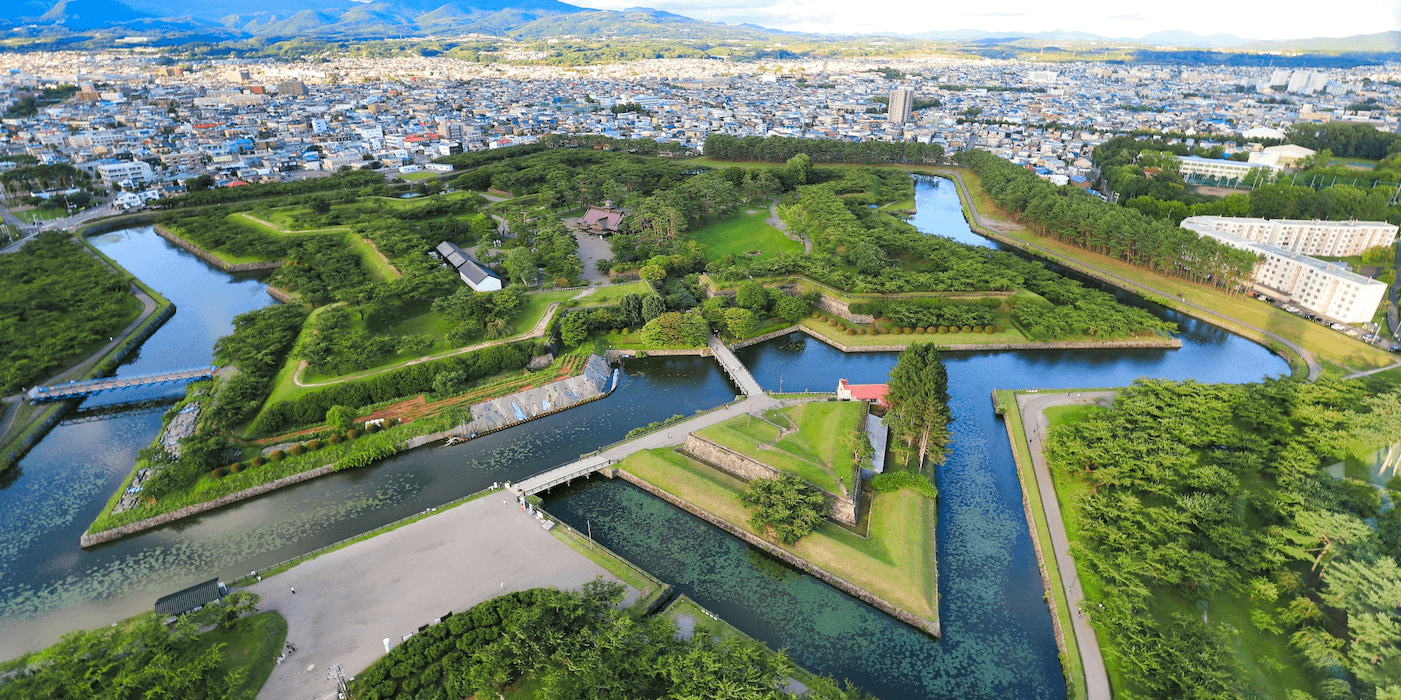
[[310, 408], [432, 664]]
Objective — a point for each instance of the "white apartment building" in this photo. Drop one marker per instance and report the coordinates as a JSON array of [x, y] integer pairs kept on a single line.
[[1321, 287], [1330, 239], [138, 172]]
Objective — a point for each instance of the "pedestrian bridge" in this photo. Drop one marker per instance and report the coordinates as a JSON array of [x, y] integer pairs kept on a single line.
[[74, 390], [559, 475], [733, 367]]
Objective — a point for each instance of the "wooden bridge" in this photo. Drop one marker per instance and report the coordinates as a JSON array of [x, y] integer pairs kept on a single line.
[[74, 390]]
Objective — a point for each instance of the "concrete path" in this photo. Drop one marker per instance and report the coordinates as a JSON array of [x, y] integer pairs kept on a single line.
[[348, 601], [782, 227], [1370, 372], [733, 367], [1034, 425], [1315, 369], [592, 249]]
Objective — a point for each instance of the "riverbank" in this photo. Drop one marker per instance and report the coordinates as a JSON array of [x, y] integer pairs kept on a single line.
[[1311, 349], [212, 258], [883, 343], [492, 415], [1081, 654]]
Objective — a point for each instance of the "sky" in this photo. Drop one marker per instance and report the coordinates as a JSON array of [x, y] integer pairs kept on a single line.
[[1133, 19]]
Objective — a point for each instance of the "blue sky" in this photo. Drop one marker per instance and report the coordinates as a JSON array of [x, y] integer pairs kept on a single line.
[[1277, 20]]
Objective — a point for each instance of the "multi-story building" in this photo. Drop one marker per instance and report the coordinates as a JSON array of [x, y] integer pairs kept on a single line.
[[1332, 239], [1327, 289], [1225, 169], [291, 87], [137, 172], [902, 106]]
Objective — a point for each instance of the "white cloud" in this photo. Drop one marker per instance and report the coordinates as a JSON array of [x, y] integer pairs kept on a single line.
[[1343, 18]]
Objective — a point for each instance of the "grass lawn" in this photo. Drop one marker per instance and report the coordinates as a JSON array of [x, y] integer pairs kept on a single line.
[[416, 176], [37, 215], [610, 294], [1258, 652], [1325, 344], [1072, 662], [895, 561], [812, 452], [253, 648], [742, 233]]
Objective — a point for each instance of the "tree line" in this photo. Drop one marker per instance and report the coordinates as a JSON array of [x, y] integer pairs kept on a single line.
[[1074, 216], [577, 645], [779, 149], [353, 180], [1209, 507]]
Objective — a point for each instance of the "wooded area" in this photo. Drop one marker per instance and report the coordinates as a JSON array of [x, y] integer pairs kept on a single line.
[[779, 149], [577, 645], [57, 301], [1212, 541]]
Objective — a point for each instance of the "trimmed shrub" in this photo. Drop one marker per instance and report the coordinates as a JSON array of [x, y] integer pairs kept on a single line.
[[921, 330], [1001, 329], [219, 473], [392, 422], [277, 455], [967, 329], [314, 445], [372, 428], [816, 315], [352, 434], [335, 440], [296, 450], [236, 467], [943, 329], [259, 461], [989, 330], [850, 332], [907, 330], [832, 321]]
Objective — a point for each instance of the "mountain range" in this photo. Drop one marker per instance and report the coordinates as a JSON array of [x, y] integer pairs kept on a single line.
[[531, 19]]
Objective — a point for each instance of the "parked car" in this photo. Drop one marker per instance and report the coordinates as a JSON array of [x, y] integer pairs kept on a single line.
[[1337, 326]]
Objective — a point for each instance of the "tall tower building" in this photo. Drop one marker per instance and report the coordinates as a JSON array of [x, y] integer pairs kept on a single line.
[[902, 106]]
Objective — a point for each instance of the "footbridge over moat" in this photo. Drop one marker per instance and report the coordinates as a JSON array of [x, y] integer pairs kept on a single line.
[[74, 390]]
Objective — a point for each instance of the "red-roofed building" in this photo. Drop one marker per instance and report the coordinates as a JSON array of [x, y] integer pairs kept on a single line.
[[236, 183], [601, 220], [863, 392]]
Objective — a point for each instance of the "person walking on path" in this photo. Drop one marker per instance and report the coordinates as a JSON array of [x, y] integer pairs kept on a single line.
[[294, 589]]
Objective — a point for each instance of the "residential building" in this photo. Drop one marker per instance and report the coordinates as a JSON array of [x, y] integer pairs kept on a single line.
[[133, 172], [902, 105], [1323, 288], [863, 392], [1332, 239], [291, 87]]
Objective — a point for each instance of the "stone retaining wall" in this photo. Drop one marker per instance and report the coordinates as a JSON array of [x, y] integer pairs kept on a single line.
[[747, 468], [89, 540], [1162, 343], [832, 305], [765, 337], [930, 627], [278, 294], [210, 257]]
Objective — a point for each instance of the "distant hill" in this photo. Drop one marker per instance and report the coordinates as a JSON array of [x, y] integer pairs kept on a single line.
[[1388, 42], [1162, 38]]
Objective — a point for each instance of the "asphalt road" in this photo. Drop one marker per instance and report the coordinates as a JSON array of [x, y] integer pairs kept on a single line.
[[1034, 425]]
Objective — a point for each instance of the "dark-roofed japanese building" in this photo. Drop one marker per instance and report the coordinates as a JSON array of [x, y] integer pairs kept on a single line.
[[181, 602], [475, 274]]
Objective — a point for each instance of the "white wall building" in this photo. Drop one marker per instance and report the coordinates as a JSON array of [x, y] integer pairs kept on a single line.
[[138, 172], [1331, 239], [1323, 288], [1224, 169]]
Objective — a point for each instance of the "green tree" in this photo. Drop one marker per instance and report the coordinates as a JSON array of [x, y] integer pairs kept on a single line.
[[652, 273], [798, 170], [919, 400], [741, 323], [791, 309], [787, 507], [652, 307], [341, 417], [521, 265], [574, 329], [752, 296]]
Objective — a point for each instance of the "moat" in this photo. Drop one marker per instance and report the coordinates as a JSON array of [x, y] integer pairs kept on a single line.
[[997, 630]]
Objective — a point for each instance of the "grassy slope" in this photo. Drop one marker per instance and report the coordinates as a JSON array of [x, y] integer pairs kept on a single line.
[[838, 333], [253, 647], [611, 294], [1072, 662], [895, 561], [741, 233], [1258, 653], [1329, 346], [811, 453]]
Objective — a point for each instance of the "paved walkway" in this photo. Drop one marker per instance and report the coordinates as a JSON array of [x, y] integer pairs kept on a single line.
[[348, 601], [782, 227], [1034, 425], [1370, 372], [1315, 369]]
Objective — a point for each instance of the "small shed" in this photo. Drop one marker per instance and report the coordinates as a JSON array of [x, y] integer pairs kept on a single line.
[[602, 220], [198, 595], [862, 392]]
